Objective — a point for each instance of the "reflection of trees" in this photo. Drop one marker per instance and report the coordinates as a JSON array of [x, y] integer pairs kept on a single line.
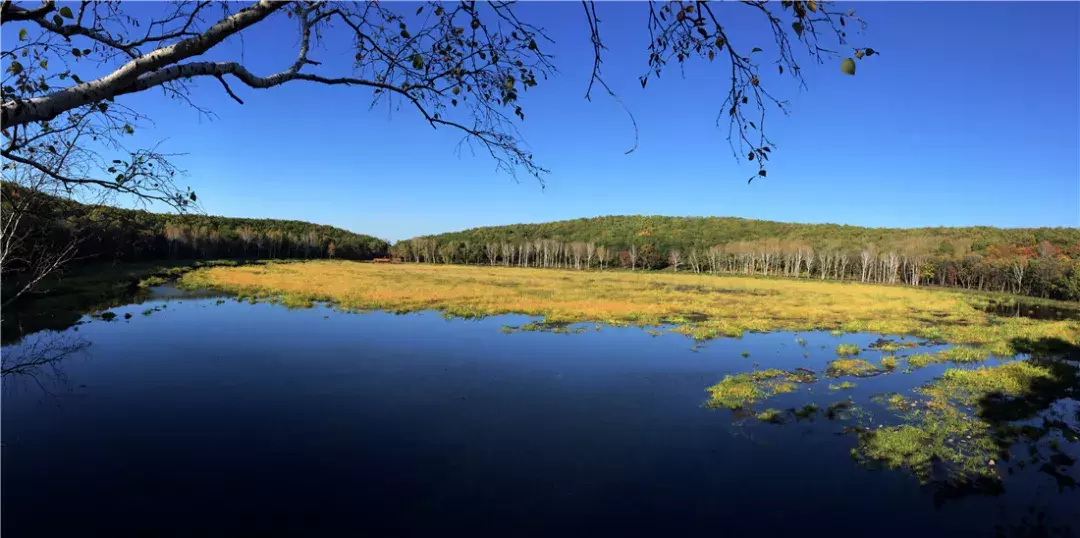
[[38, 358]]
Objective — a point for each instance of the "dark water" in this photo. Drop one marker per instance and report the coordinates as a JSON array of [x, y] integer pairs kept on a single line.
[[1032, 310], [224, 418]]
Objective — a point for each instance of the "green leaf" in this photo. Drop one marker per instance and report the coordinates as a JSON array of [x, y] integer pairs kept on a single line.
[[812, 6], [66, 12], [798, 27], [15, 68], [44, 63], [192, 196], [870, 51], [417, 61], [847, 66], [756, 49], [76, 53], [129, 129], [58, 20], [22, 34]]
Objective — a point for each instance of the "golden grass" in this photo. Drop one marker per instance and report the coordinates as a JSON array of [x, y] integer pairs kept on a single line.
[[702, 306]]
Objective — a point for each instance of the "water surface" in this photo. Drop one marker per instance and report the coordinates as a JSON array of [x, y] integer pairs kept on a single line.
[[210, 416]]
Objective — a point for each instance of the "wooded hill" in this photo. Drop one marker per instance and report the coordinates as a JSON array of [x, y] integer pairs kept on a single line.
[[101, 233], [1035, 261]]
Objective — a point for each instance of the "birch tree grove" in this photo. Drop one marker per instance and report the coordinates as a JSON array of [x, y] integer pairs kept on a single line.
[[914, 261]]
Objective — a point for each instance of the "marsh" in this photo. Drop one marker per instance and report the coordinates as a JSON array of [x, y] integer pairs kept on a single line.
[[262, 418]]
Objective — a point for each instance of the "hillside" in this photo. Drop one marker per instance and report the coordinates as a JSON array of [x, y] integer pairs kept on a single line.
[[109, 234], [1033, 261]]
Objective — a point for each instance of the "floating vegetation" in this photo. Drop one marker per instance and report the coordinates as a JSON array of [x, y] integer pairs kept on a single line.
[[969, 387], [963, 427], [943, 435], [107, 316], [841, 410], [654, 333], [851, 367], [921, 360], [843, 386], [801, 342], [889, 346], [774, 416], [745, 354], [543, 326], [844, 350], [955, 354], [152, 281], [806, 412], [741, 390], [889, 363], [964, 354], [894, 401]]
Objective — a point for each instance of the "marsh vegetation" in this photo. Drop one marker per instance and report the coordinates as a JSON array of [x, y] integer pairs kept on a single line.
[[924, 383]]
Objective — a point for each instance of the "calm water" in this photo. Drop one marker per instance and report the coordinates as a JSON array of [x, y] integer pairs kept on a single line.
[[208, 418]]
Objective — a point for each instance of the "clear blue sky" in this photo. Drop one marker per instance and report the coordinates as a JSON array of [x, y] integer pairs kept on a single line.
[[971, 115]]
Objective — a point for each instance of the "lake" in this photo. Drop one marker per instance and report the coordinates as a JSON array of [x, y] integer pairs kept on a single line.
[[209, 416]]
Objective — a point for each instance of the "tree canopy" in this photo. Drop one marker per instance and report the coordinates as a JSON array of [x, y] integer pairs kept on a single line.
[[460, 66], [1035, 261]]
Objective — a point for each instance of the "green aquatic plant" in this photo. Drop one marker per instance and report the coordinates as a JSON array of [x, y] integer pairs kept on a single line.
[[969, 387], [800, 341], [889, 363], [807, 411], [842, 410], [741, 390], [942, 434], [895, 401], [774, 416], [851, 367], [745, 354], [847, 349], [843, 386], [964, 425], [921, 360], [963, 354]]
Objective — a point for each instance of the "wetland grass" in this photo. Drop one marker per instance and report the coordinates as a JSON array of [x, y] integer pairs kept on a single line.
[[645, 299]]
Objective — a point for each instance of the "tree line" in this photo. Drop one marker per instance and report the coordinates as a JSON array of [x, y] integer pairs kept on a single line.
[[1042, 262], [101, 233]]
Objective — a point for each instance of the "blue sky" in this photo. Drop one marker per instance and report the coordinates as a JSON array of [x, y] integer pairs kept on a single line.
[[971, 115]]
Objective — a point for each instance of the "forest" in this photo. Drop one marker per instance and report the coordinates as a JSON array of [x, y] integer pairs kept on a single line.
[[1040, 262], [43, 225]]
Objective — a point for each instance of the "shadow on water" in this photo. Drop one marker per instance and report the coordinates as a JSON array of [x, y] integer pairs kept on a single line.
[[60, 303], [1032, 310], [40, 360]]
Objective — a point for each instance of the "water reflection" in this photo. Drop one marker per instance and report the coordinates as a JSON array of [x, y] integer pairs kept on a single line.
[[39, 358], [263, 419]]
